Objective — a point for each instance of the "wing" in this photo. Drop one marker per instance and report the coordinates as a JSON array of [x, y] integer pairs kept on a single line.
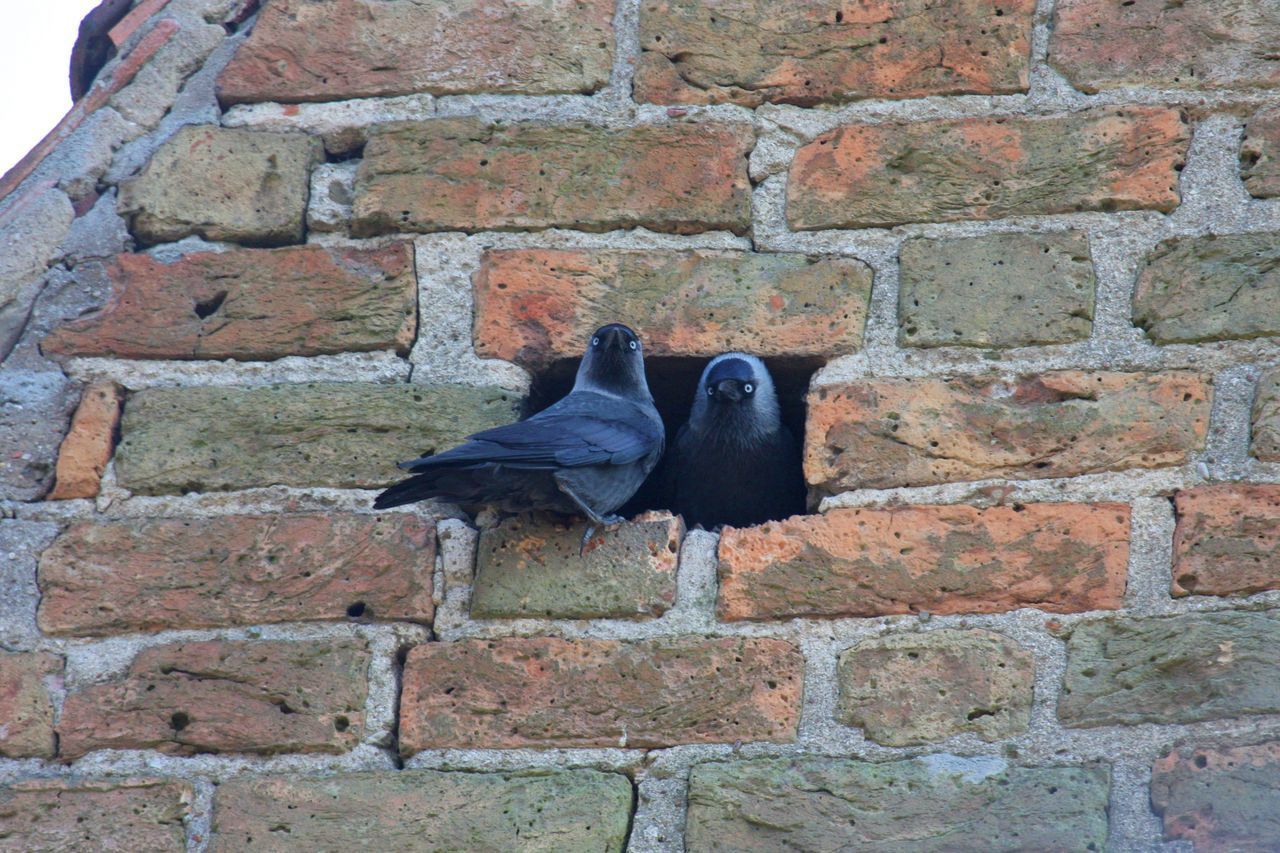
[[585, 432]]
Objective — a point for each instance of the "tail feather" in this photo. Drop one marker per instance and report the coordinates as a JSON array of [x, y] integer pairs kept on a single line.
[[412, 490]]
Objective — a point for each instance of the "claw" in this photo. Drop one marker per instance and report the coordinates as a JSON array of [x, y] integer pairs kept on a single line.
[[608, 522]]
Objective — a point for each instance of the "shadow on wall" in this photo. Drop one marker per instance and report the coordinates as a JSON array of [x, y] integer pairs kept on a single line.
[[673, 381]]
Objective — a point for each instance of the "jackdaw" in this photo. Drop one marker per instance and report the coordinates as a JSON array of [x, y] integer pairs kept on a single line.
[[735, 462], [585, 455]]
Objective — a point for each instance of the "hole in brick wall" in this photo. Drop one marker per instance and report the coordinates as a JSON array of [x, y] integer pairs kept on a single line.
[[341, 723], [356, 610], [339, 149], [179, 721], [206, 308], [673, 382]]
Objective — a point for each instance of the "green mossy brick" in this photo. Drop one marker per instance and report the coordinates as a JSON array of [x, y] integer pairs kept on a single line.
[[340, 435]]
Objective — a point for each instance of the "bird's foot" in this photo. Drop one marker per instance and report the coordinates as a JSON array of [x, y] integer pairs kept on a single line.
[[608, 522]]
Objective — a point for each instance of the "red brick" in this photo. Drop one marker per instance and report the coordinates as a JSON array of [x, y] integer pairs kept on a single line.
[[26, 709], [86, 450], [225, 696], [885, 433], [306, 51], [251, 304], [465, 175], [1062, 558], [878, 175], [534, 306], [1220, 799], [1260, 154], [700, 52], [130, 23], [137, 575], [1227, 540], [95, 814], [547, 692], [1104, 44]]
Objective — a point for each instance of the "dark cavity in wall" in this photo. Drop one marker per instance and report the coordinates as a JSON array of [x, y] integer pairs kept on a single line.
[[673, 382]]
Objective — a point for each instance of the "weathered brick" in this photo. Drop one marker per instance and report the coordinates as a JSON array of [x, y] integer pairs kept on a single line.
[[460, 174], [530, 567], [1176, 669], [26, 709], [941, 559], [549, 692], [135, 575], [86, 450], [1220, 799], [1227, 540], [251, 304], [425, 810], [347, 434], [1264, 442], [1194, 289], [938, 802], [534, 306], [1195, 44], [878, 175], [916, 688], [302, 51], [912, 432], [223, 184], [697, 52], [95, 814], [1260, 154], [225, 696], [1004, 290]]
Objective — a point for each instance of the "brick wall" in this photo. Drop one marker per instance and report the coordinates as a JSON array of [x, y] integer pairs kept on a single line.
[[1013, 261]]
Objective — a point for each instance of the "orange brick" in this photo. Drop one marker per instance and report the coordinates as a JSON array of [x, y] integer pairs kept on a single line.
[[547, 692], [1062, 558]]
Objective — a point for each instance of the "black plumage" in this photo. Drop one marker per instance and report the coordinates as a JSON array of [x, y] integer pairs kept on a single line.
[[584, 455], [735, 463]]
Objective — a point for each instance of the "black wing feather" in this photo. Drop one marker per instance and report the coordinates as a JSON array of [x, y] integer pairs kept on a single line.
[[571, 434]]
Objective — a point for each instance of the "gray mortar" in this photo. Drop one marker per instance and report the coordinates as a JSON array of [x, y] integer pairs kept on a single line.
[[1214, 202], [381, 367], [20, 544], [335, 121]]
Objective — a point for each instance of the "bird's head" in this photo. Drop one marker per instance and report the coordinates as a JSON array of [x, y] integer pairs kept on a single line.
[[613, 363], [736, 386]]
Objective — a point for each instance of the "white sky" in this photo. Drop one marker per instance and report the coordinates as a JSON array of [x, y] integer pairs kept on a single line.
[[35, 53]]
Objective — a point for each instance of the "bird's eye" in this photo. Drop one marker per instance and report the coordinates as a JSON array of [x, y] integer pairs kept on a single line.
[[748, 387], [632, 344], [595, 342], [711, 391]]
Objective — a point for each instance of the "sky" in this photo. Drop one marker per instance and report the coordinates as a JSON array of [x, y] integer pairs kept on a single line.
[[35, 53]]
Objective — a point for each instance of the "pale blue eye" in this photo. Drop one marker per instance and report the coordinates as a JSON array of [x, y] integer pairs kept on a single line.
[[633, 344], [748, 387], [595, 342], [711, 392]]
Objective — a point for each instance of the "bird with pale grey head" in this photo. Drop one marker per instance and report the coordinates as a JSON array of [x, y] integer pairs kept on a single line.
[[585, 455], [735, 463]]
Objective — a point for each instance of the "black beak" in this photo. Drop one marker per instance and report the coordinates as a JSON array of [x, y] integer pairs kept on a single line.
[[729, 389], [614, 339]]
